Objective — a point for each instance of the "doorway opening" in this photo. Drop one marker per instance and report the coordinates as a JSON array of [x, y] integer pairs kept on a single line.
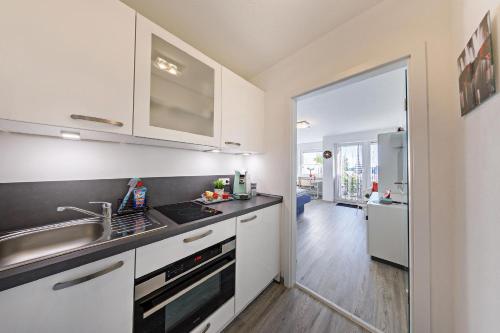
[[352, 230]]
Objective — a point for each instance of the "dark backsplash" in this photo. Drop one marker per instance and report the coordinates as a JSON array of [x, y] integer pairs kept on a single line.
[[33, 204]]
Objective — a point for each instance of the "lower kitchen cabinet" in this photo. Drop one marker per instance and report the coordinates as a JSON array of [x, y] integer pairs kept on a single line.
[[388, 222], [97, 297], [257, 253]]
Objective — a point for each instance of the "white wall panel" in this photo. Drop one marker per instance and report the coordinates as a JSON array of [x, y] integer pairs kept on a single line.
[[476, 226]]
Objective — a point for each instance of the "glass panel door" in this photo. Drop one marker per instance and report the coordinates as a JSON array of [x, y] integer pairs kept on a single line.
[[374, 162], [177, 89], [182, 90], [350, 172]]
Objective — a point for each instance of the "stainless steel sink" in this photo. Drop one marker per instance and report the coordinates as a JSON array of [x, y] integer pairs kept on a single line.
[[36, 243], [30, 245]]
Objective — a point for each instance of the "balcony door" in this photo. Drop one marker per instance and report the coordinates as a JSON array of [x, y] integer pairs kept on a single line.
[[350, 173]]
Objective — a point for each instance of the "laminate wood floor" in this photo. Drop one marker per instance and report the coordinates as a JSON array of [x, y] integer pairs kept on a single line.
[[332, 260], [282, 310]]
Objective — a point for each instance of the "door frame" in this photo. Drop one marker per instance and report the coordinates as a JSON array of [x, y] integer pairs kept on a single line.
[[418, 178]]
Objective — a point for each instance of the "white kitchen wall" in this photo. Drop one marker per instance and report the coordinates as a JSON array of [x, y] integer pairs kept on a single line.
[[391, 27], [477, 223], [27, 158]]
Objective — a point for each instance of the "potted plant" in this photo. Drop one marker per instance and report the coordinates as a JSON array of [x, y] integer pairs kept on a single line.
[[219, 186]]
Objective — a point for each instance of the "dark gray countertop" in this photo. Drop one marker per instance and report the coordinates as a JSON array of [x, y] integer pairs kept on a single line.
[[32, 271]]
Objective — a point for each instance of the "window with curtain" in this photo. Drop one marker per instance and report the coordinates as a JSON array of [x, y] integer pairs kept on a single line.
[[312, 164]]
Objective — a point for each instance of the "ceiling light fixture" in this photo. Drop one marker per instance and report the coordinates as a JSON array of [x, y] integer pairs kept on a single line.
[[246, 154], [303, 124], [70, 135], [167, 66], [214, 151]]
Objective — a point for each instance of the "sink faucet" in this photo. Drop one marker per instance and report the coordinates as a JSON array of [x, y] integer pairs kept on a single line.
[[107, 211]]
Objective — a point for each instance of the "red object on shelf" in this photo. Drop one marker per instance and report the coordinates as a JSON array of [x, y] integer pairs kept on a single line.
[[374, 187]]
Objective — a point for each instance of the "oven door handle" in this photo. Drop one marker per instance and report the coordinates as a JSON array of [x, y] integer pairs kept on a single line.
[[195, 238], [184, 291]]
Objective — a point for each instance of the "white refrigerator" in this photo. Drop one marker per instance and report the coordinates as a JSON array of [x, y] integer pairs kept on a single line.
[[388, 223]]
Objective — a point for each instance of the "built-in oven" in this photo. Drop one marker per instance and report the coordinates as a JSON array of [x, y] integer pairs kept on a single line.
[[178, 297]]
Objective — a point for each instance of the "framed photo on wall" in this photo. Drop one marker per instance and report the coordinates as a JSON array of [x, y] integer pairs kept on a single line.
[[476, 68]]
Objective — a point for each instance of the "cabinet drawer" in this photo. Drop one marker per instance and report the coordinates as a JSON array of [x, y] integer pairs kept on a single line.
[[218, 320], [96, 297], [157, 255]]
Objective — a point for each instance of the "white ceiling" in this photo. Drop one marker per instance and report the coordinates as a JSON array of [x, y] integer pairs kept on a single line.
[[249, 36], [370, 104]]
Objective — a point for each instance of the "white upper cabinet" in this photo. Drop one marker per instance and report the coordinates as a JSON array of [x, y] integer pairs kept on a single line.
[[97, 65], [242, 115], [177, 89], [68, 63]]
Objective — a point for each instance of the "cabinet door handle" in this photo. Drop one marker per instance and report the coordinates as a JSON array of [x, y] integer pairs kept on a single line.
[[249, 219], [205, 330], [232, 143], [97, 120], [195, 238], [70, 283]]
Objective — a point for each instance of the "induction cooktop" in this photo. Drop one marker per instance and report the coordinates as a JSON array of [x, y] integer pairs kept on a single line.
[[185, 212]]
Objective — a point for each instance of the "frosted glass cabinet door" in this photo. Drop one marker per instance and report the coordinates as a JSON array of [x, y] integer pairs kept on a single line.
[[177, 89]]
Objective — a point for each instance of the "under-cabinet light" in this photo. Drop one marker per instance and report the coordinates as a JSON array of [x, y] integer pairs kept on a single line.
[[70, 135]]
